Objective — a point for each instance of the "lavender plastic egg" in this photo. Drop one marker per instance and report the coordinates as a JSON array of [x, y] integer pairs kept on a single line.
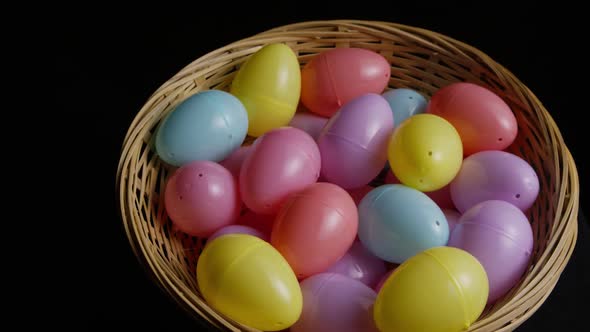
[[499, 235], [309, 123], [490, 175], [353, 144], [452, 218], [333, 302], [359, 264]]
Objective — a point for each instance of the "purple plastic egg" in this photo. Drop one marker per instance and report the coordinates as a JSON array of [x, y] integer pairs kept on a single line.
[[309, 123], [491, 175], [353, 144], [358, 263], [333, 302], [500, 236], [452, 218], [238, 229]]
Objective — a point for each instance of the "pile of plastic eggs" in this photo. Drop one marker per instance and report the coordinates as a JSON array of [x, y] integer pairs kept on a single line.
[[369, 209]]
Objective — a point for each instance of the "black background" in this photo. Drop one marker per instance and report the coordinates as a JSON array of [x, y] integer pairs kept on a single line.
[[113, 61]]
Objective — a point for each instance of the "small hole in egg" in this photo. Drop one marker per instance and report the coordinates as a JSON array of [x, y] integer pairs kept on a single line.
[[180, 197], [437, 223], [517, 196], [200, 175], [430, 153], [411, 97], [500, 139]]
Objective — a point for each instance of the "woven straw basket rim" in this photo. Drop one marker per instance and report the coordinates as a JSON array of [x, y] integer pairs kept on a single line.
[[420, 59]]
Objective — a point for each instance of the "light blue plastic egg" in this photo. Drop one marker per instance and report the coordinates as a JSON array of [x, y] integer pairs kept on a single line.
[[397, 222], [404, 103], [209, 125]]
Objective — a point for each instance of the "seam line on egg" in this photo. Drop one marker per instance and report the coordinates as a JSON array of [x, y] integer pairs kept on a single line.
[[272, 101], [347, 140], [457, 286], [499, 231], [332, 82], [234, 262]]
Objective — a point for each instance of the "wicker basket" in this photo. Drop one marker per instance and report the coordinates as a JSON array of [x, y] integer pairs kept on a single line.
[[421, 60]]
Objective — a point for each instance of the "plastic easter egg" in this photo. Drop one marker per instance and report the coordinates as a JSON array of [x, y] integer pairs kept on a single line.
[[441, 289], [309, 122], [332, 302], [353, 144], [405, 103], [425, 152], [452, 218], [333, 78], [202, 197], [315, 228], [208, 125], [396, 222], [499, 235], [442, 196], [234, 161], [484, 121], [237, 229], [269, 85], [360, 264], [500, 175], [246, 279], [261, 222], [359, 193], [283, 161]]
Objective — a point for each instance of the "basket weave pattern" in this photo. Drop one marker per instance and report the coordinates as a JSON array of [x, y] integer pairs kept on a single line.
[[420, 60]]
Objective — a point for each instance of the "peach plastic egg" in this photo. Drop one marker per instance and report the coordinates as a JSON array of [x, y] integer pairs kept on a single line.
[[333, 78], [484, 121]]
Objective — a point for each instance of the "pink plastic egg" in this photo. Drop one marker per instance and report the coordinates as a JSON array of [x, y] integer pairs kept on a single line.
[[237, 229], [234, 162], [482, 119], [309, 122], [282, 161], [261, 222], [353, 144], [315, 228], [442, 196], [201, 197], [333, 78], [499, 235], [489, 175], [360, 264], [332, 302]]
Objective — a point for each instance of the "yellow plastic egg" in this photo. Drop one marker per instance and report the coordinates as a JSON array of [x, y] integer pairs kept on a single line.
[[269, 85], [425, 152], [439, 289], [246, 279]]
